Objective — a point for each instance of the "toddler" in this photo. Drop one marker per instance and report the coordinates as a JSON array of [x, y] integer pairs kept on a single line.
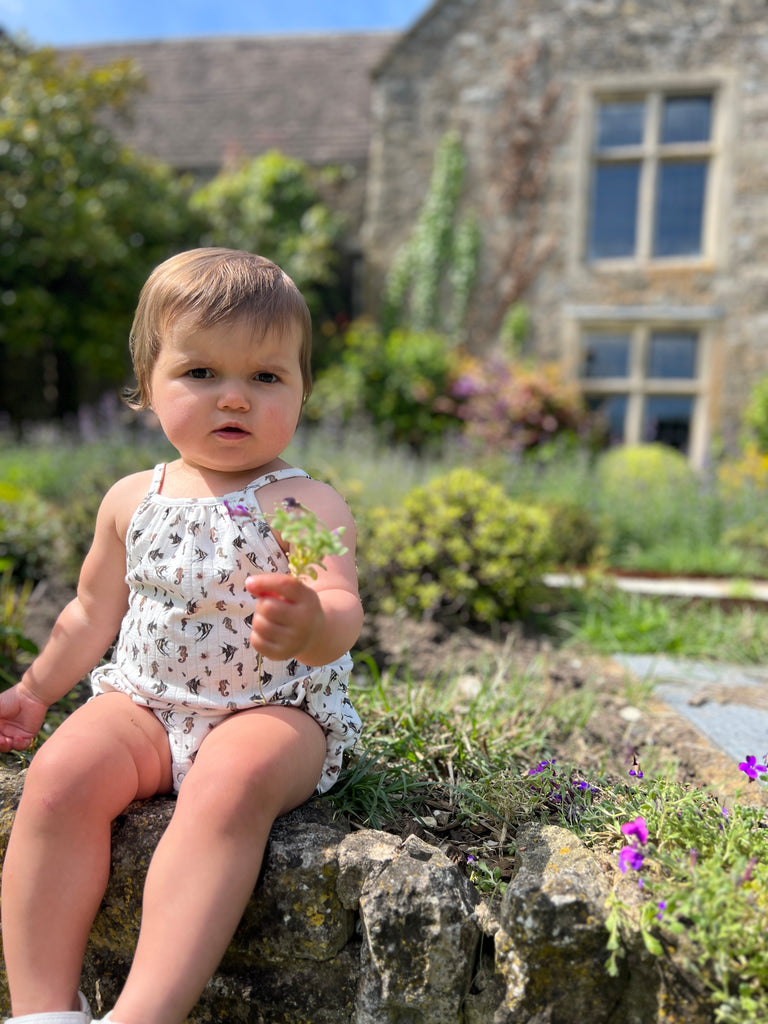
[[228, 682]]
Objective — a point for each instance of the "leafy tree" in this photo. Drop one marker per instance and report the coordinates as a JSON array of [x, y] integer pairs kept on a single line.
[[270, 205], [82, 221]]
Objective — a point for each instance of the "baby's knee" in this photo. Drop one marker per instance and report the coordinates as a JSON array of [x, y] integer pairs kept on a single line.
[[68, 777]]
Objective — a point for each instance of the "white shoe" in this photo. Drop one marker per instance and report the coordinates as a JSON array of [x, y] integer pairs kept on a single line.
[[81, 1016]]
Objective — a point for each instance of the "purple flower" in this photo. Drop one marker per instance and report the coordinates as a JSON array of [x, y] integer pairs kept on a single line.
[[662, 905], [637, 828], [751, 768], [235, 510], [541, 767], [630, 857], [636, 770]]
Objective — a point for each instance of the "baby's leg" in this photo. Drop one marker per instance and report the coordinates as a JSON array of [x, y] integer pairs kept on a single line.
[[106, 754], [253, 767]]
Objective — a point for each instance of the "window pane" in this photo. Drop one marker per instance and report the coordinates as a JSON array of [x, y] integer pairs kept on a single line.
[[679, 208], [667, 419], [605, 355], [619, 124], [610, 412], [672, 354], [686, 119], [613, 216]]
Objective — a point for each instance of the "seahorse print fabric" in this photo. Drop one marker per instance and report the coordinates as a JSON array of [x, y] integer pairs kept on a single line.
[[183, 648]]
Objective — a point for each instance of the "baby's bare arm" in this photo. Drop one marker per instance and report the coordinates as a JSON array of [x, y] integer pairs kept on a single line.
[[84, 629]]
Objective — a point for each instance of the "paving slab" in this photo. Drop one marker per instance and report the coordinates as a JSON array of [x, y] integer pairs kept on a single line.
[[727, 703]]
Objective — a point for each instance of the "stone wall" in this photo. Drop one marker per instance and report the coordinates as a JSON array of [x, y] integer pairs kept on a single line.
[[489, 68], [361, 927]]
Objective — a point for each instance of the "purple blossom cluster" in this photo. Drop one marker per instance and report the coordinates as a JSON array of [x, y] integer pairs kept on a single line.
[[631, 855]]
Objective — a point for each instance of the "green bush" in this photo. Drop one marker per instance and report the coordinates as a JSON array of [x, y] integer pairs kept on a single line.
[[396, 381], [647, 494], [576, 535], [31, 534], [458, 548]]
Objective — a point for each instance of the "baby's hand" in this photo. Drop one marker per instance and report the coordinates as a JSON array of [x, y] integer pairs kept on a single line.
[[21, 717], [287, 618]]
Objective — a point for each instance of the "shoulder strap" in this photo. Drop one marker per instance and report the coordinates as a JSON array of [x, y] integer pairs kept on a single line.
[[158, 476], [279, 474]]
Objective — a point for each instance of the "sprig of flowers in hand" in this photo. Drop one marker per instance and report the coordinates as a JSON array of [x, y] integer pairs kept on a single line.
[[310, 541]]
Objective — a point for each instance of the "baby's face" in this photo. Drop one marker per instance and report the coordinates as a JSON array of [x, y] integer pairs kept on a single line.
[[228, 400]]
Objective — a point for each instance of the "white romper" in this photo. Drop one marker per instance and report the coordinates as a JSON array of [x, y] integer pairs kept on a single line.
[[184, 649]]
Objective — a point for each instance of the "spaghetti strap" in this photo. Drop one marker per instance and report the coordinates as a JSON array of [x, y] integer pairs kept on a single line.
[[158, 476], [279, 474]]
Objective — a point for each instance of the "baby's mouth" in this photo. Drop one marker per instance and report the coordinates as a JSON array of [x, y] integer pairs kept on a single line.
[[231, 431]]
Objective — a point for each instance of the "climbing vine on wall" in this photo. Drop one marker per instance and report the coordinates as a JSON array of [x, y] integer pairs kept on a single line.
[[430, 281], [529, 122]]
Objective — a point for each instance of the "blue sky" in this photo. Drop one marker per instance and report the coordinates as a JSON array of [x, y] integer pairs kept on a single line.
[[68, 22]]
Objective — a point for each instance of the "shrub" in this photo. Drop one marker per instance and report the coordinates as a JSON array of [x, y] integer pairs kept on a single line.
[[576, 535], [641, 490], [31, 534], [395, 380], [458, 548], [514, 406]]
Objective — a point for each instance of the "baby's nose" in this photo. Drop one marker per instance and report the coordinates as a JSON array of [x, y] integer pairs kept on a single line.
[[233, 396]]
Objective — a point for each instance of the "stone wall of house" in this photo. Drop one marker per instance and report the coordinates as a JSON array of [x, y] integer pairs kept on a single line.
[[467, 63], [361, 927]]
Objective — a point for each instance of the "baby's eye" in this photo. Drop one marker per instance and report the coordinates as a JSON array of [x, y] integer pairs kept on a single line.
[[199, 373], [265, 377]]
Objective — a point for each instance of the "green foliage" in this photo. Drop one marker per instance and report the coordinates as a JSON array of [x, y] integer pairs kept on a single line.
[[756, 415], [456, 549], [50, 528], [13, 642], [704, 878], [606, 619], [515, 328], [751, 537], [647, 493], [271, 206], [396, 381], [82, 221], [576, 535], [431, 278], [31, 535]]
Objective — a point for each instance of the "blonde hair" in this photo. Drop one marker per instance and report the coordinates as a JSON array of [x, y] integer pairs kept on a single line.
[[205, 287]]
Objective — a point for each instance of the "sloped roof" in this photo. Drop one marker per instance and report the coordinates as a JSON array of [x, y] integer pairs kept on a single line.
[[211, 98]]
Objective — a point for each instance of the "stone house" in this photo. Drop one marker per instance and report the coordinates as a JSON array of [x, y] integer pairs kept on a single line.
[[616, 165]]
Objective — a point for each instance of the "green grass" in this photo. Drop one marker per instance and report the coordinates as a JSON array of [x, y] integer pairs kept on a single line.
[[607, 620]]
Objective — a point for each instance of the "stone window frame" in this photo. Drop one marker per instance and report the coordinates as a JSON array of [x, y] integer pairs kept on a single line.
[[639, 323], [718, 149]]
